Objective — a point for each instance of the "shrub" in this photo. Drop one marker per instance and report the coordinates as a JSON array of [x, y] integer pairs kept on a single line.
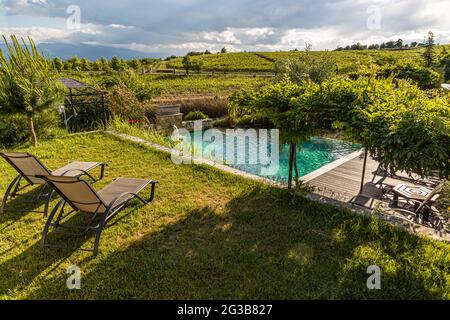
[[443, 202], [213, 107], [26, 82], [195, 115], [252, 121], [306, 68], [445, 62], [121, 101], [14, 129], [130, 80], [224, 123], [424, 77]]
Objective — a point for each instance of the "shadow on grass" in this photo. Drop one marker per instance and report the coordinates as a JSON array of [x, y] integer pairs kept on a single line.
[[262, 247], [22, 270], [22, 205]]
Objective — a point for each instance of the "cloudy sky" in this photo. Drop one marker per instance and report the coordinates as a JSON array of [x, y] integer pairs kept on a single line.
[[165, 27]]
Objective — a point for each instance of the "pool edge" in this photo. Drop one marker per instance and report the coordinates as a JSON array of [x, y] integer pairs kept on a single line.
[[330, 166]]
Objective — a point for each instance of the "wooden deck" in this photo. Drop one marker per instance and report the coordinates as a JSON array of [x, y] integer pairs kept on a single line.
[[342, 183]]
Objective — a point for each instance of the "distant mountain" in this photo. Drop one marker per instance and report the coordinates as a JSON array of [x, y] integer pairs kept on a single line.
[[92, 52]]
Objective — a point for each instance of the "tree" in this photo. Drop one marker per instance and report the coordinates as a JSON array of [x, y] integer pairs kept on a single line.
[[275, 102], [75, 63], [67, 65], [399, 43], [413, 44], [58, 64], [190, 64], [97, 65], [400, 127], [85, 64], [105, 65], [224, 50], [118, 64], [306, 68], [26, 84], [428, 55], [445, 63], [134, 64]]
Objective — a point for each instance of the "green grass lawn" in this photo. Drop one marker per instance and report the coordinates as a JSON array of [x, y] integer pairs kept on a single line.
[[209, 234]]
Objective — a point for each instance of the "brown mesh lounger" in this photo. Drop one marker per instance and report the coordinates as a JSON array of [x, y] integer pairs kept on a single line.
[[101, 206], [29, 167]]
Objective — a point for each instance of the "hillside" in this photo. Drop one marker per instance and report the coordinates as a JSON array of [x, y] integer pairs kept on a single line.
[[347, 61]]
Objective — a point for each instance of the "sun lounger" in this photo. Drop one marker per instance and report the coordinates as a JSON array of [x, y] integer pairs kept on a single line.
[[29, 167], [100, 206]]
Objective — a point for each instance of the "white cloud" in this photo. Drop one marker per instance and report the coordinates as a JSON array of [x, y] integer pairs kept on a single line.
[[178, 26], [38, 34], [226, 36]]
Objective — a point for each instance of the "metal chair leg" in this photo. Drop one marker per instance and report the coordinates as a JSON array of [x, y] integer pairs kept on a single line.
[[49, 221], [47, 202], [99, 230], [12, 185]]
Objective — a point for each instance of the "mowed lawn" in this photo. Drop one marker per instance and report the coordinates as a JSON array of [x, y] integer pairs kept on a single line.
[[208, 235]]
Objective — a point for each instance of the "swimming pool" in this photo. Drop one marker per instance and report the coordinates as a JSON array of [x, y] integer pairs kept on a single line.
[[313, 154]]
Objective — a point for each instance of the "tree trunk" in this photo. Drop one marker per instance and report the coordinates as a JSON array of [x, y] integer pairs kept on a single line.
[[292, 164], [295, 162], [32, 133]]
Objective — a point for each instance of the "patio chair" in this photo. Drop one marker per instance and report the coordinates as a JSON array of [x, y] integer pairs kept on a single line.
[[100, 206], [421, 199], [29, 167]]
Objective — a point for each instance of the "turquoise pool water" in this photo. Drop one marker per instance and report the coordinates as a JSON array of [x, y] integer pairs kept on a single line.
[[313, 154]]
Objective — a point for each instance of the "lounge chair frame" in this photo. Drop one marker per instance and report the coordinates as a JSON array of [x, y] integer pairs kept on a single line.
[[114, 207], [46, 192], [423, 212]]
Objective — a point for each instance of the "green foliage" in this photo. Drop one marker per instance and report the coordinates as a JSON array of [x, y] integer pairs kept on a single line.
[[306, 68], [14, 129], [118, 64], [445, 63], [238, 62], [424, 77], [401, 127], [134, 64], [129, 79], [191, 65], [428, 55], [58, 64], [195, 115], [443, 202], [264, 62], [123, 125], [26, 84], [276, 102], [122, 101], [226, 122], [211, 222], [213, 107]]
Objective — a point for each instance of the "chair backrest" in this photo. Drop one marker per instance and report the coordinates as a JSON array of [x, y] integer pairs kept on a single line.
[[77, 193], [26, 165], [431, 196]]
